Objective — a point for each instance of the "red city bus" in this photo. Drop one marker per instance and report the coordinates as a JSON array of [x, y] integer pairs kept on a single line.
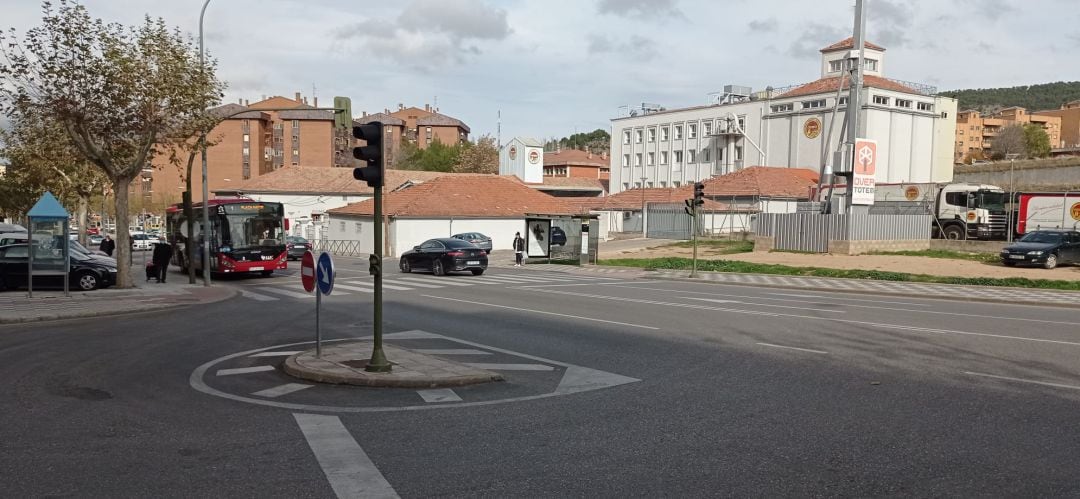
[[245, 236]]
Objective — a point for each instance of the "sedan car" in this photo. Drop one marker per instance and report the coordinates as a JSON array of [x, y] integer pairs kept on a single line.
[[86, 273], [296, 246], [445, 255], [558, 237], [141, 241], [1044, 247], [481, 241], [95, 239]]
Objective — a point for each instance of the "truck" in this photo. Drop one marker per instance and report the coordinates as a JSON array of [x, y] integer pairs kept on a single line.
[[959, 210], [1047, 210]]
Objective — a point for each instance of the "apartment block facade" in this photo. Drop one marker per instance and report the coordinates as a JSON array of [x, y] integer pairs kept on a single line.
[[975, 133], [573, 163], [417, 126], [1070, 123]]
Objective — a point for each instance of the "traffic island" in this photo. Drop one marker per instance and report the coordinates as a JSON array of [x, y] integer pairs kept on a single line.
[[343, 364]]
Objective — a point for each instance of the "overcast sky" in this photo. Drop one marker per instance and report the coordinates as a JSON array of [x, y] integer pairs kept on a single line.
[[554, 67]]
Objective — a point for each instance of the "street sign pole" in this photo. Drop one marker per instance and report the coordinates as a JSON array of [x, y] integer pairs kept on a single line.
[[378, 362], [318, 332], [307, 278]]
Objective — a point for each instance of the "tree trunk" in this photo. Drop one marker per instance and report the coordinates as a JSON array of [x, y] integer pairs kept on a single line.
[[81, 214], [189, 216], [123, 238]]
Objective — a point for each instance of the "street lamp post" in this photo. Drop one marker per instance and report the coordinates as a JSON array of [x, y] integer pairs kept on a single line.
[[205, 188]]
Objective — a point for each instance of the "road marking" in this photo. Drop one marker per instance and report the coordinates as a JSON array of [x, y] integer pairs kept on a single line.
[[438, 395], [244, 370], [291, 294], [353, 288], [765, 305], [1044, 383], [277, 354], [791, 348], [510, 367], [450, 351], [280, 390], [256, 296], [372, 284], [446, 281], [414, 284], [518, 279], [347, 467], [541, 312]]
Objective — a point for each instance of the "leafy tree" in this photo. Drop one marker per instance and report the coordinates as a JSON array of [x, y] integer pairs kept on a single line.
[[596, 141], [437, 157], [1032, 97], [481, 157], [119, 92], [1009, 140], [1036, 141]]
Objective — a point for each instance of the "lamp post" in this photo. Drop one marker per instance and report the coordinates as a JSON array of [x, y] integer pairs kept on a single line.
[[205, 188]]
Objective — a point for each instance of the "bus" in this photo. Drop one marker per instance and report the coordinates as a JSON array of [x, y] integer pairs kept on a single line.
[[246, 236]]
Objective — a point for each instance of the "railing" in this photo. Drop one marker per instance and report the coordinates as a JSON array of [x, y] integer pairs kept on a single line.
[[339, 247]]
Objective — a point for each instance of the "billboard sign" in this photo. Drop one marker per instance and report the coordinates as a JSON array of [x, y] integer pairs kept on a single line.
[[538, 237], [865, 165]]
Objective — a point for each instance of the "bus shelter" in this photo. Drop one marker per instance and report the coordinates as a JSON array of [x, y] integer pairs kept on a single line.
[[571, 239], [47, 242]]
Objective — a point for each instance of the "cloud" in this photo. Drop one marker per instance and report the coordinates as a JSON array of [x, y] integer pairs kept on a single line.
[[813, 37], [640, 9], [989, 9], [637, 47], [429, 33], [599, 44], [890, 22], [764, 25], [1074, 38]]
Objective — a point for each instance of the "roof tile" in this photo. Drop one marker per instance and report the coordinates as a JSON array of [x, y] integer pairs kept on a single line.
[[849, 43], [828, 84], [464, 195], [325, 180]]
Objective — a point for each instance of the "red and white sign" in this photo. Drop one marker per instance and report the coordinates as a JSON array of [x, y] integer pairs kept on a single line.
[[862, 180], [534, 156], [307, 271]]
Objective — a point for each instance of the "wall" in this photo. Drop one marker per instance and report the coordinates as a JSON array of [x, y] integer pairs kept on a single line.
[[1032, 175], [409, 232], [316, 143], [970, 246], [352, 228], [723, 222], [860, 247]]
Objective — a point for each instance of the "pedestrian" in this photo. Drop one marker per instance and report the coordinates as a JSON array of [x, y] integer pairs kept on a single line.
[[519, 249], [107, 245], [162, 254]]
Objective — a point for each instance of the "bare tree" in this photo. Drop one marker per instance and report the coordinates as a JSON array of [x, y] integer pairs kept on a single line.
[[1009, 140]]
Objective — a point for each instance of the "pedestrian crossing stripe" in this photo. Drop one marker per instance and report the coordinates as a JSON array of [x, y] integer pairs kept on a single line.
[[372, 283], [285, 292], [428, 280]]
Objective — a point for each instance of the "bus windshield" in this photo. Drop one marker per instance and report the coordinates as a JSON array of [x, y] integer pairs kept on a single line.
[[247, 231], [993, 201]]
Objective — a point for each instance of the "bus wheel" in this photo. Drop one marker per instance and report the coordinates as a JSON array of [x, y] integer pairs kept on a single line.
[[267, 273]]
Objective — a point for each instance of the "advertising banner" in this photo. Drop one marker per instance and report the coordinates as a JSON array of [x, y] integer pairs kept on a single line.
[[537, 238], [862, 180]]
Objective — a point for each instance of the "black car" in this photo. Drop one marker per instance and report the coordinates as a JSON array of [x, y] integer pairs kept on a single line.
[[445, 255], [558, 237], [86, 273], [296, 246], [481, 241], [1044, 247]]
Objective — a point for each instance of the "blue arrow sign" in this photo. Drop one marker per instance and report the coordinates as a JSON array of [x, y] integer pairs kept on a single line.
[[324, 274]]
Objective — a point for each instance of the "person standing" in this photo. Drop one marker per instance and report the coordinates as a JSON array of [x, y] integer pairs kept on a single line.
[[107, 245], [519, 249], [162, 254]]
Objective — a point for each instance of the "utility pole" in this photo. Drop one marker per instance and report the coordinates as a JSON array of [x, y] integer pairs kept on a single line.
[[854, 106], [205, 188]]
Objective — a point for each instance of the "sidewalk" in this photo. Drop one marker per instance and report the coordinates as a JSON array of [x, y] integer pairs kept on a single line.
[[16, 307]]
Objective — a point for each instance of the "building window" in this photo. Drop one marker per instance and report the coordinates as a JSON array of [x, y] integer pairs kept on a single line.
[[427, 133], [811, 104], [926, 106], [780, 108], [246, 126], [651, 159], [870, 64], [675, 184], [843, 101], [663, 157], [904, 103], [357, 226], [691, 131], [961, 143], [677, 157], [296, 124], [960, 131], [246, 170], [881, 100], [738, 153], [637, 136], [835, 66], [341, 225], [690, 156], [705, 155], [706, 129], [247, 138], [652, 135], [742, 123], [626, 186], [626, 137], [649, 184], [625, 160], [637, 159], [663, 184], [678, 132], [246, 151], [944, 115], [663, 134]]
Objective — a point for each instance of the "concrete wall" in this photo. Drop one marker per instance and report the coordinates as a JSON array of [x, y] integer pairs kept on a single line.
[[1032, 175], [860, 247], [353, 228], [763, 243], [993, 247]]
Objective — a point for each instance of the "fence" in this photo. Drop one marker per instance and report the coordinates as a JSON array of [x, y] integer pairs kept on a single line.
[[813, 231], [338, 247], [668, 221]]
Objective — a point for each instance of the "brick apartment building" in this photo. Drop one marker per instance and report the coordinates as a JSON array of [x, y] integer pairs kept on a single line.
[[975, 133], [576, 164], [1070, 123], [417, 126]]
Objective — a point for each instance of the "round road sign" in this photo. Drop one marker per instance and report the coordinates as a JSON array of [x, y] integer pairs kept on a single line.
[[307, 271], [324, 273]]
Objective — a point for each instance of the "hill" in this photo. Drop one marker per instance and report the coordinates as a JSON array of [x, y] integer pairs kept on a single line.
[[1032, 97]]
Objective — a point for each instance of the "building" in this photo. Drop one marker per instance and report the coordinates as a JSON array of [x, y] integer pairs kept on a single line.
[[576, 164], [572, 187], [252, 140], [1070, 123], [788, 127], [975, 133], [523, 157], [494, 205]]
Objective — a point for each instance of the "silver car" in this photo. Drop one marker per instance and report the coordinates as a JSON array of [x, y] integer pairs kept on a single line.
[[481, 241]]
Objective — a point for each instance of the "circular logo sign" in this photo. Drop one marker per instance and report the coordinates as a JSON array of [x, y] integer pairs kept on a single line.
[[911, 193], [534, 156], [513, 152], [1075, 210], [971, 216], [812, 128]]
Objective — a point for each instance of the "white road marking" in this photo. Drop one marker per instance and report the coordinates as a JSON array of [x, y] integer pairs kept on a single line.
[[256, 296], [510, 367], [413, 284], [353, 288], [519, 279], [291, 294], [277, 354], [447, 281], [765, 305], [372, 284], [280, 390], [1044, 383], [347, 467], [791, 348], [450, 351], [244, 370], [438, 395], [541, 312]]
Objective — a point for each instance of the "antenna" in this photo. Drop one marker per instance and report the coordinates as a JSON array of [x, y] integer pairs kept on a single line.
[[498, 128]]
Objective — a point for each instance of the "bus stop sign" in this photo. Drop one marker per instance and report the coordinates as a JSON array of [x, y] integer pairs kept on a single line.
[[324, 274], [307, 271]]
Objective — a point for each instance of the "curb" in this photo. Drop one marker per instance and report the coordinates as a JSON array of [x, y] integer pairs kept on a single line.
[[232, 293], [295, 368]]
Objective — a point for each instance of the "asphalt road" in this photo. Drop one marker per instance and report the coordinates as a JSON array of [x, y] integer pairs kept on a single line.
[[694, 389]]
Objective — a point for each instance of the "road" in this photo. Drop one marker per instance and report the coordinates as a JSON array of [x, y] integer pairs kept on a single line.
[[686, 389]]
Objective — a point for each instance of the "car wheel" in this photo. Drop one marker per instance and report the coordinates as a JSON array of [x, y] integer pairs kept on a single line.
[[477, 271], [1051, 262], [87, 281], [1008, 263], [267, 273], [437, 268], [404, 266], [954, 232]]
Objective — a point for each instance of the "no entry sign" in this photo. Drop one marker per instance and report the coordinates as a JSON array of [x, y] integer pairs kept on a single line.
[[307, 271]]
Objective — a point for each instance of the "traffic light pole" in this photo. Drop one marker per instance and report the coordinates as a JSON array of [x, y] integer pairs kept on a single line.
[[378, 362]]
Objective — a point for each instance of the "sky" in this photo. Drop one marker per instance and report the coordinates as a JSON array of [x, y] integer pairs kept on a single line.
[[556, 67]]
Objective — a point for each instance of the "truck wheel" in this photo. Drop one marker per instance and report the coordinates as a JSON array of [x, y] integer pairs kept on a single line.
[[1051, 262], [954, 232]]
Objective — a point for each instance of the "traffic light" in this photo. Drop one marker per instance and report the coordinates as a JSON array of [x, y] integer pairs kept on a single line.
[[374, 265], [699, 193], [689, 206], [372, 153]]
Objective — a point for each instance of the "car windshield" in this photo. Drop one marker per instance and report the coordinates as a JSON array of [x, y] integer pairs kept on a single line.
[[993, 201], [1042, 237], [296, 239]]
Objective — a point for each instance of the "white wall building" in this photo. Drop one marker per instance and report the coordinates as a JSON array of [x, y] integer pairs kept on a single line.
[[523, 157], [788, 127]]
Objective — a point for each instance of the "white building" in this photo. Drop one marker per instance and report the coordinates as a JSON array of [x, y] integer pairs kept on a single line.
[[523, 157], [788, 127]]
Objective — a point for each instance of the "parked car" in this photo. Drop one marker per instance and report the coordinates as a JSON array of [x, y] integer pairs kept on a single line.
[[95, 239], [296, 247], [143, 241], [445, 255], [1048, 248], [5, 227], [558, 237], [86, 273], [481, 241], [73, 245]]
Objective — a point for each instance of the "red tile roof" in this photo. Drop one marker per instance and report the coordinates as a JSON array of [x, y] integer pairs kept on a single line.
[[570, 184], [849, 43], [464, 195], [324, 180], [763, 181], [826, 85], [574, 157]]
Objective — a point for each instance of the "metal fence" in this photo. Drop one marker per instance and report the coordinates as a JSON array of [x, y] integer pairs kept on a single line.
[[338, 247], [668, 221], [813, 231]]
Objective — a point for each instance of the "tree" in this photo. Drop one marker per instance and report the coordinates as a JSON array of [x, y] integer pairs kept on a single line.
[[119, 92], [481, 157], [437, 157], [596, 141], [1036, 141], [1009, 141]]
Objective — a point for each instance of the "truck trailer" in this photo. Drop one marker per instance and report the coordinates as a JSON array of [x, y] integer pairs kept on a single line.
[[1047, 210]]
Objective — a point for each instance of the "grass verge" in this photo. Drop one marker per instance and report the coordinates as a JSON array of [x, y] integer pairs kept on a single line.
[[676, 263], [716, 247], [947, 254]]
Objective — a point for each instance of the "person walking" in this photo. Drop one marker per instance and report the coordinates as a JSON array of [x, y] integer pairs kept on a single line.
[[519, 249], [162, 254], [107, 245]]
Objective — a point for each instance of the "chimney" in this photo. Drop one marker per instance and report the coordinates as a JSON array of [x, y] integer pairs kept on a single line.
[[400, 106], [316, 101], [588, 155], [427, 107], [363, 114], [240, 101], [247, 102], [298, 97], [305, 100]]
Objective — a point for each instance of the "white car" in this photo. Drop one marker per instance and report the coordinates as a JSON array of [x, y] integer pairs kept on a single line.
[[143, 242]]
